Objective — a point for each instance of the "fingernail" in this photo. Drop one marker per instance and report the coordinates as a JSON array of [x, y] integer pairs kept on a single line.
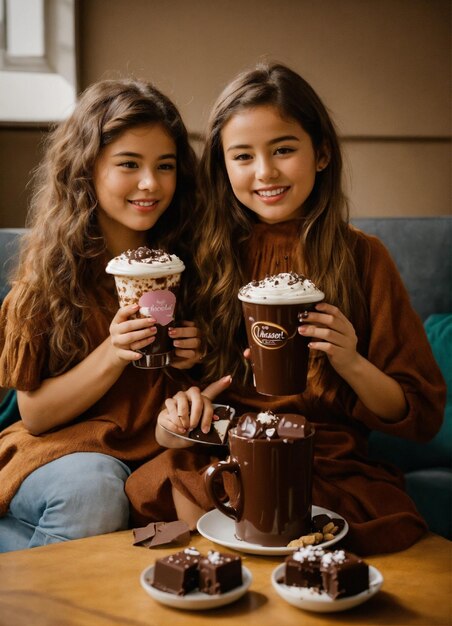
[[215, 418], [226, 379]]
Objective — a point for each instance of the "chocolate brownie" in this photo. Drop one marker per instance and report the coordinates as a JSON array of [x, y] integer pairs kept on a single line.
[[219, 572], [177, 573]]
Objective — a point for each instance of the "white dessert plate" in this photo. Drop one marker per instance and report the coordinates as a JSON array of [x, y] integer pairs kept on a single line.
[[195, 600], [319, 601], [204, 443], [220, 529]]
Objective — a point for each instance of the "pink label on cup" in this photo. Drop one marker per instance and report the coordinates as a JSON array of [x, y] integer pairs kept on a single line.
[[159, 305]]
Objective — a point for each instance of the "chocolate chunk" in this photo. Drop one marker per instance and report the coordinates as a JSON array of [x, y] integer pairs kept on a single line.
[[292, 426], [267, 425], [160, 533], [319, 521], [146, 255]]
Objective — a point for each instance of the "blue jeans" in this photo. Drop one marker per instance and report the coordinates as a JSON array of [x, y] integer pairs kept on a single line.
[[78, 495]]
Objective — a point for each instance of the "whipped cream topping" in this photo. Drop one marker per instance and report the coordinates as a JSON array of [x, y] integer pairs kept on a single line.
[[145, 262], [283, 288]]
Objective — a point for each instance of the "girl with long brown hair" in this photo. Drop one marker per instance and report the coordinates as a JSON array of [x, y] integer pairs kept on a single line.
[[118, 174], [271, 179]]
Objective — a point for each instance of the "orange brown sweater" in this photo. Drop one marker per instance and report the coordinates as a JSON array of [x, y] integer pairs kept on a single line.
[[371, 496]]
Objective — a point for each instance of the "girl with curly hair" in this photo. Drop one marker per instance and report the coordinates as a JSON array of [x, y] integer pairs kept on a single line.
[[118, 174]]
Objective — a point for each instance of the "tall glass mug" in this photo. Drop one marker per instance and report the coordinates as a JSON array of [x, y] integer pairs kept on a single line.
[[271, 458], [150, 278], [272, 309]]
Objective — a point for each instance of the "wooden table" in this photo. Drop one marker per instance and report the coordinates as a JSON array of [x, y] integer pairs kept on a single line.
[[95, 582]]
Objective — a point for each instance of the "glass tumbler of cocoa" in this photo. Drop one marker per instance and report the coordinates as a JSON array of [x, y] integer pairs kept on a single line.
[[151, 279], [273, 309]]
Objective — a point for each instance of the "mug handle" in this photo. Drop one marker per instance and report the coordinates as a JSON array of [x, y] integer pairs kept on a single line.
[[216, 470]]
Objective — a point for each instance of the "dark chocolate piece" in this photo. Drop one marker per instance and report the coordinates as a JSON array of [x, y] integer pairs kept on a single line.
[[320, 521], [292, 426], [219, 572], [218, 433], [177, 573], [258, 425], [267, 425], [343, 574], [159, 533], [303, 568], [146, 255]]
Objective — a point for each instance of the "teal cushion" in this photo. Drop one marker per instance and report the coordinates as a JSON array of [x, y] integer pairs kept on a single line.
[[409, 455], [431, 490], [9, 410]]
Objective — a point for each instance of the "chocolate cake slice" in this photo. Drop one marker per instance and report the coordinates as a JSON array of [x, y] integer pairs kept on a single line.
[[303, 568], [177, 573], [343, 574], [219, 572]]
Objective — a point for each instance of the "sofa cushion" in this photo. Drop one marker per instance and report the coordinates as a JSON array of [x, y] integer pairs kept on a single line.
[[431, 490], [410, 455]]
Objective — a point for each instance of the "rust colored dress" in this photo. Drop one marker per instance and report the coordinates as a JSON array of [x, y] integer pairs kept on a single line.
[[120, 424], [371, 496]]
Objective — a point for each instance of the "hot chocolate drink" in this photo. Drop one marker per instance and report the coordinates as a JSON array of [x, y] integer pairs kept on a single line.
[[151, 279], [271, 459], [273, 308]]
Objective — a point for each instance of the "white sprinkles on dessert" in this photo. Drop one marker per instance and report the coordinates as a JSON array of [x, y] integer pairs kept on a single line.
[[308, 553]]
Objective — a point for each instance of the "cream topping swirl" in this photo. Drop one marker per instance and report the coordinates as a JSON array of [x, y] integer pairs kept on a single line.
[[145, 262], [283, 288]]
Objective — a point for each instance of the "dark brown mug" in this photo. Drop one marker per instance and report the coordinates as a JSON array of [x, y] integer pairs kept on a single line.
[[273, 502], [279, 354]]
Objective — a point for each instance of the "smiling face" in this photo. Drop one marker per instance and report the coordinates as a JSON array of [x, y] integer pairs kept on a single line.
[[271, 163], [135, 180]]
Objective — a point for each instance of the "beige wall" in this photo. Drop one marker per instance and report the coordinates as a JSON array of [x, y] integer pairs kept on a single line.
[[383, 67]]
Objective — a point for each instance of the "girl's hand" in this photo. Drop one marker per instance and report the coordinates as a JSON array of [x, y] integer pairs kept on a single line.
[[186, 410], [187, 344], [128, 335], [333, 334]]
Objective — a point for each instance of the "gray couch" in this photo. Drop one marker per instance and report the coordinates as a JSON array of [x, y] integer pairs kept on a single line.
[[420, 246], [422, 250]]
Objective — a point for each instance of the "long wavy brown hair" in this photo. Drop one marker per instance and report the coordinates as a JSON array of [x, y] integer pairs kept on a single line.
[[326, 244], [63, 254]]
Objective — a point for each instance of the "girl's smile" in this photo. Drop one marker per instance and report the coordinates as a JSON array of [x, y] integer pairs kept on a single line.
[[271, 163]]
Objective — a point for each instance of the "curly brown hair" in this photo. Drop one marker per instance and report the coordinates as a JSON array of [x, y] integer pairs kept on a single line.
[[63, 254], [325, 244]]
